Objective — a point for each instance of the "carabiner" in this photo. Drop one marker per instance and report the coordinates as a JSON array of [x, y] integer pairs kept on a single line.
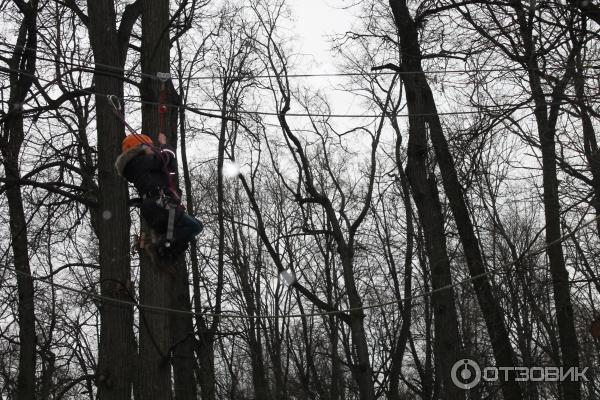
[[114, 101]]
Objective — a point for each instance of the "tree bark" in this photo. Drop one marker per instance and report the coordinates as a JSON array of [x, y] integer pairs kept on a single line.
[[183, 335], [183, 338], [156, 284], [113, 374]]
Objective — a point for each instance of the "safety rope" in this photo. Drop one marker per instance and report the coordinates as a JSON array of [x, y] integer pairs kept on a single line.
[[118, 112]]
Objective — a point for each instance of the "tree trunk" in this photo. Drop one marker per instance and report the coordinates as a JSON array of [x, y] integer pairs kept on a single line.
[[113, 375], [546, 116], [183, 338], [204, 346], [405, 307], [183, 335], [363, 370], [418, 89], [10, 146], [205, 350], [424, 190], [18, 233], [156, 284]]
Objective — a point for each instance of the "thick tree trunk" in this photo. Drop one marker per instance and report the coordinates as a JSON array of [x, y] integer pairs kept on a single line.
[[448, 348], [336, 392], [182, 331], [490, 307], [156, 284], [562, 298], [205, 351], [113, 375], [336, 386], [183, 338]]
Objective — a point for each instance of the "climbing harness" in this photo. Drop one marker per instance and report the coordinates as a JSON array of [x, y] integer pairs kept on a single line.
[[169, 198]]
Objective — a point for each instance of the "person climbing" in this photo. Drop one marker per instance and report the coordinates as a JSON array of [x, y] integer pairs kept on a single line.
[[150, 169]]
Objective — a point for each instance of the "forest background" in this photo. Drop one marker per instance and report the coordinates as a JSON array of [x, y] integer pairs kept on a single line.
[[419, 187]]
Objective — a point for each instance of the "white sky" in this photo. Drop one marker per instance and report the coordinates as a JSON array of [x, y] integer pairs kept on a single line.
[[316, 20]]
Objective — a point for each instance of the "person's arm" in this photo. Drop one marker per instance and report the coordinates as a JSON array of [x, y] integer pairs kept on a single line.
[[168, 152]]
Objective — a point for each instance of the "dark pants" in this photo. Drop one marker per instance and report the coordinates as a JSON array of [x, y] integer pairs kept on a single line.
[[185, 228]]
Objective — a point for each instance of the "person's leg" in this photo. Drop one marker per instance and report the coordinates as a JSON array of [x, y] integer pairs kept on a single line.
[[154, 215], [186, 228]]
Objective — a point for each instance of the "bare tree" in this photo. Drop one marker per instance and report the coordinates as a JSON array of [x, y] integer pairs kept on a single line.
[[11, 140]]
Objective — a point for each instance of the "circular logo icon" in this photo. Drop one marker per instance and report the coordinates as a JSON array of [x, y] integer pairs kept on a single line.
[[465, 374]]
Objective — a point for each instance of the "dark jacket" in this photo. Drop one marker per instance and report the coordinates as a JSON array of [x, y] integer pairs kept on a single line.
[[147, 172]]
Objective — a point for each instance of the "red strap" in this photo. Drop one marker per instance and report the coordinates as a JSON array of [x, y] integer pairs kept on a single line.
[[162, 108]]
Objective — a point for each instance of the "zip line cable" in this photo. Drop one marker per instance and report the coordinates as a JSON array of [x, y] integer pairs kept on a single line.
[[270, 76], [200, 111], [148, 307], [208, 111], [211, 112]]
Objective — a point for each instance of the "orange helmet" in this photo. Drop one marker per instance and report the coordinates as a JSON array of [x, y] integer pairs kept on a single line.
[[132, 141]]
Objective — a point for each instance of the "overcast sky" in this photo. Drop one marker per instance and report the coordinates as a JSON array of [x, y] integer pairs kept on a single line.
[[315, 22]]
